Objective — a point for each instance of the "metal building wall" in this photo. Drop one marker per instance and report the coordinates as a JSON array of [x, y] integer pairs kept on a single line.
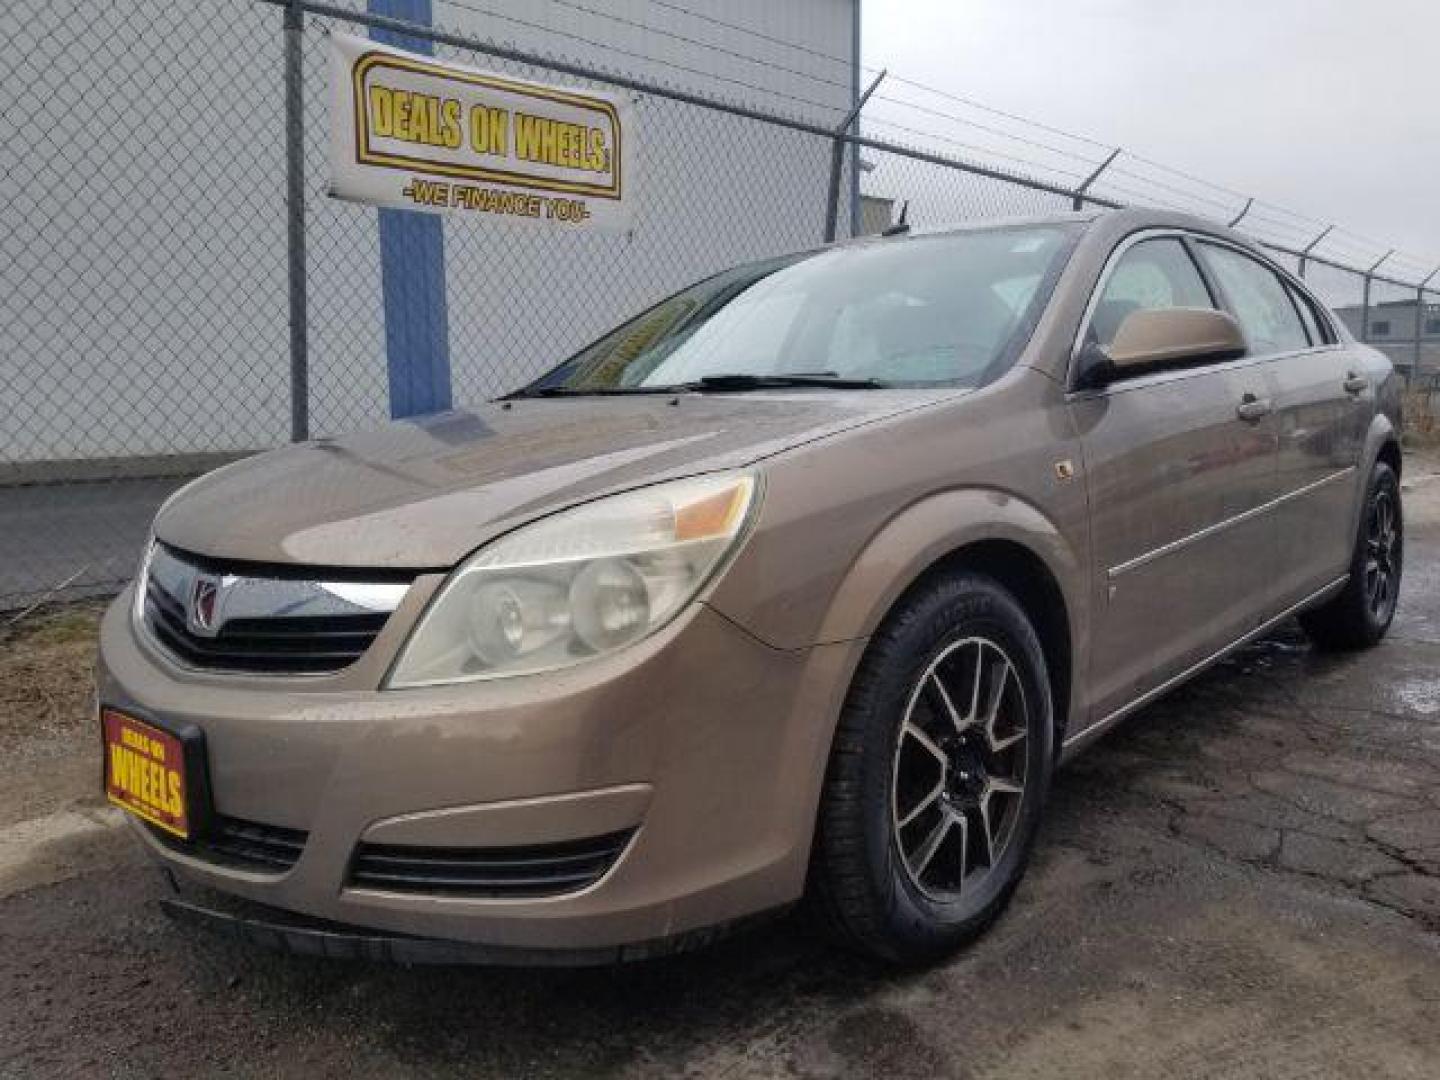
[[142, 246]]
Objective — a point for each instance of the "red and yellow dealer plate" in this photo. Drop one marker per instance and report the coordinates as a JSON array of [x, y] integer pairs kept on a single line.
[[145, 771]]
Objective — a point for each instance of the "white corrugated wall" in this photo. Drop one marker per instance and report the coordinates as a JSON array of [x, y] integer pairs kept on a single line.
[[143, 302]]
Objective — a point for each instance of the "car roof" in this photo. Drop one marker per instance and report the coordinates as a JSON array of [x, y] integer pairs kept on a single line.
[[1103, 228], [1120, 220]]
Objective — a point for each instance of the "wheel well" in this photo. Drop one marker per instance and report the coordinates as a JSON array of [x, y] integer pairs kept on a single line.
[[1026, 577], [1390, 454]]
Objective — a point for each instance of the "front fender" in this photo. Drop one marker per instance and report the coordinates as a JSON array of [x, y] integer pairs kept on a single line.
[[888, 561], [926, 532]]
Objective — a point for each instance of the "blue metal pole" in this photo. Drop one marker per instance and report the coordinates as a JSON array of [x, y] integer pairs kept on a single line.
[[412, 270]]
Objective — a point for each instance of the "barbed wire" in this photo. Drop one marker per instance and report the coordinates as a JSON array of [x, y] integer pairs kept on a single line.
[[606, 47], [1120, 170], [958, 99], [1183, 175], [1295, 223], [1296, 228], [749, 31], [847, 86], [871, 70], [917, 107], [973, 148]]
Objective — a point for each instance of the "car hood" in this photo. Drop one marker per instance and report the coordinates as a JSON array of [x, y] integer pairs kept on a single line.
[[423, 494]]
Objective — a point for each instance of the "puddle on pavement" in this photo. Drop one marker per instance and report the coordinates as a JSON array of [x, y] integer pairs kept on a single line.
[[1419, 695]]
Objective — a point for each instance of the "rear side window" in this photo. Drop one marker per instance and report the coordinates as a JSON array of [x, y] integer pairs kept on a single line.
[[1153, 274], [1259, 299]]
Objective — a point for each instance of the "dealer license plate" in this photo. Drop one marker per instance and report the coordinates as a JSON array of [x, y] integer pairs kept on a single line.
[[145, 771]]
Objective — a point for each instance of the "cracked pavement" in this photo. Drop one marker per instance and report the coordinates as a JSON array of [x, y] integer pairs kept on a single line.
[[1298, 769], [1243, 880]]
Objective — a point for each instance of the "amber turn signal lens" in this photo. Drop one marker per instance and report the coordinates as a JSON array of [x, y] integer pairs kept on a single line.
[[713, 515]]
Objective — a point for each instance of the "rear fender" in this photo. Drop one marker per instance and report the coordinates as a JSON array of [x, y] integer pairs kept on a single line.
[[1381, 434]]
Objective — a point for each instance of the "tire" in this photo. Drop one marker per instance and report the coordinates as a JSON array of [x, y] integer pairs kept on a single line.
[[1360, 614], [882, 882]]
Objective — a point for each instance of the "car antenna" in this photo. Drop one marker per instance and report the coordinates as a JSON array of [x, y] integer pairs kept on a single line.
[[901, 227]]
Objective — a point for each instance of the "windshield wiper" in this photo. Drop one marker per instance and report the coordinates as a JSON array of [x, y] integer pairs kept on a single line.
[[587, 391], [709, 384], [827, 379]]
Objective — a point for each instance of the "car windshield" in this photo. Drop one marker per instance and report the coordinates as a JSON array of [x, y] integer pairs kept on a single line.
[[939, 310]]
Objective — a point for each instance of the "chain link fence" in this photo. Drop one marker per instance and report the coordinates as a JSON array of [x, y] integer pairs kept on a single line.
[[166, 305]]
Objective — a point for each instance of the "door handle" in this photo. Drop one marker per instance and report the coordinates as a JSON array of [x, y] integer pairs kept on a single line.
[[1252, 408], [1354, 383]]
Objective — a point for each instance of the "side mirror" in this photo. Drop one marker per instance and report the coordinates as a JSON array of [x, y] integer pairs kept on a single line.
[[1170, 337]]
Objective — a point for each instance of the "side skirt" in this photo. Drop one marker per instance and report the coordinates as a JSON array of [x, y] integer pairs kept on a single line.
[[1081, 739]]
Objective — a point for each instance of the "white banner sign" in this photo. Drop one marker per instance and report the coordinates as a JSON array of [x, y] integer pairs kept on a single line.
[[409, 131]]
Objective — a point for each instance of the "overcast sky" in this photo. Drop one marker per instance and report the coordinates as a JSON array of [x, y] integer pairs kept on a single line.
[[1329, 107]]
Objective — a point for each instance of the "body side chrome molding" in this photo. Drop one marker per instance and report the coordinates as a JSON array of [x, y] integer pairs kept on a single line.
[[1220, 526], [1101, 726]]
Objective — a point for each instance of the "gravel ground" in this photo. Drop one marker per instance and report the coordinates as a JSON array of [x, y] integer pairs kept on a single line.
[[1242, 881]]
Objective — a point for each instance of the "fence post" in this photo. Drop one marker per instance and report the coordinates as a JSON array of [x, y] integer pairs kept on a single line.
[[1079, 201], [1365, 301], [1304, 255], [295, 220], [837, 162], [1419, 323], [1420, 320], [1365, 311]]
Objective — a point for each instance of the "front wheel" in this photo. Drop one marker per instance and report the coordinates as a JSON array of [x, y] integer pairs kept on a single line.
[[1358, 616], [938, 774]]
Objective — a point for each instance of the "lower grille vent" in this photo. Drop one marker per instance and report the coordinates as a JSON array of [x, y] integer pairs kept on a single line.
[[539, 870], [243, 845]]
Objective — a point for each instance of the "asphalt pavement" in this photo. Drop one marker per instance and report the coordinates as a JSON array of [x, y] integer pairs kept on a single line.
[[85, 536]]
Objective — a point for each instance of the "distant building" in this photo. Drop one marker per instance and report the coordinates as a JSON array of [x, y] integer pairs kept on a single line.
[[1390, 321], [876, 214], [1390, 327]]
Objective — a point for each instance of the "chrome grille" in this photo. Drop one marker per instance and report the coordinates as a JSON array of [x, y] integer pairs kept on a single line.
[[257, 623], [537, 870]]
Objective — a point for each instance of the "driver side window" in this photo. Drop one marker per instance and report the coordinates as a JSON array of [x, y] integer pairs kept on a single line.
[[1153, 274]]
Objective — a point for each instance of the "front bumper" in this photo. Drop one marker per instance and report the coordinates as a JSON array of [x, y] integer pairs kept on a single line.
[[707, 743], [288, 932]]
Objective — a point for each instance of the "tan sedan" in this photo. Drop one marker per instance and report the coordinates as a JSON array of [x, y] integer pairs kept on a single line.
[[798, 584]]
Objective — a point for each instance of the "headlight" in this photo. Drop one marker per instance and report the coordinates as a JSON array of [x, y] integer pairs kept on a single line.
[[580, 584], [142, 578]]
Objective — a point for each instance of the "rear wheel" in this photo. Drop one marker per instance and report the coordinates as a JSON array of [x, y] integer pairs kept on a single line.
[[938, 774], [1359, 615]]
